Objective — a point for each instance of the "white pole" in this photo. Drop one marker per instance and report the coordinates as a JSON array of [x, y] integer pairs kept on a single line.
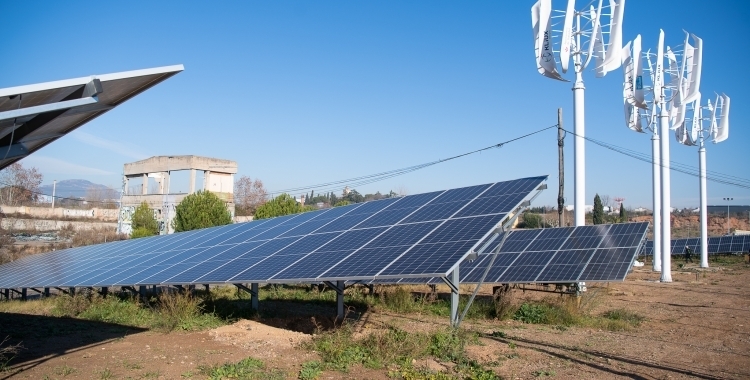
[[656, 184], [579, 169], [704, 213], [666, 239], [54, 186]]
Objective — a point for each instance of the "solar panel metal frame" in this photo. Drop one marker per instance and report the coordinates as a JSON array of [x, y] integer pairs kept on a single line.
[[115, 259], [51, 110]]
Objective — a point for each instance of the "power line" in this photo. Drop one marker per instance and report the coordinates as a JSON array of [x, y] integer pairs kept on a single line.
[[364, 180], [682, 168]]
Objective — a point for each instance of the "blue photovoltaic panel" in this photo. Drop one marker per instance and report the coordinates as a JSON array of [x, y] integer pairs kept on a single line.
[[418, 235], [557, 255], [716, 245]]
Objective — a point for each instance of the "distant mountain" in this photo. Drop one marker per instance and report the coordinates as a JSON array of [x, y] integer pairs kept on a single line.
[[73, 188]]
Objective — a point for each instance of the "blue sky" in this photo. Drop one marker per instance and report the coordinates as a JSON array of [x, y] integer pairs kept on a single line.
[[300, 93]]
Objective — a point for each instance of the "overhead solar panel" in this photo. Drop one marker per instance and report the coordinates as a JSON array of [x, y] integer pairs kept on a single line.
[[33, 116], [422, 235]]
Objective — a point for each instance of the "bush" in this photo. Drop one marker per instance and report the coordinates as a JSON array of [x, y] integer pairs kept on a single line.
[[200, 210], [284, 204], [144, 223]]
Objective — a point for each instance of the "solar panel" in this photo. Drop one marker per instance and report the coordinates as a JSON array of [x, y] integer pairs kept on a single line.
[[422, 235], [716, 245], [35, 115], [556, 255]]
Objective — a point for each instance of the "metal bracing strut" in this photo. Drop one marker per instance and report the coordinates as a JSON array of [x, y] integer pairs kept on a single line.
[[339, 288], [253, 291]]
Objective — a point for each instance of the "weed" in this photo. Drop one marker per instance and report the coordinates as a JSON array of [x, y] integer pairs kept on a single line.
[[621, 319], [512, 345], [184, 312], [249, 368], [64, 370], [151, 375], [543, 373], [530, 313], [105, 374], [499, 334], [129, 365], [311, 370], [7, 353], [187, 375]]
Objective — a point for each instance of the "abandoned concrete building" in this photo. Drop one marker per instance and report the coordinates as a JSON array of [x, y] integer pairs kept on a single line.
[[164, 181]]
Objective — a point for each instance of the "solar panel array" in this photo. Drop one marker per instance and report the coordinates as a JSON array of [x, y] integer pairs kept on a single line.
[[600, 253], [716, 244], [421, 235]]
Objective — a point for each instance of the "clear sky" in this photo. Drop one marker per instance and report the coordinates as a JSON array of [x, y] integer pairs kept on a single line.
[[300, 93]]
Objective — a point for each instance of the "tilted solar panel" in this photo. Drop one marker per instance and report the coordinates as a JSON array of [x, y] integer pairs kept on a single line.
[[600, 253], [716, 245], [422, 235]]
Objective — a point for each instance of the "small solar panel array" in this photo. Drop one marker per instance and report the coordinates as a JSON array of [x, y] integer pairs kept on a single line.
[[423, 235], [716, 245], [599, 253]]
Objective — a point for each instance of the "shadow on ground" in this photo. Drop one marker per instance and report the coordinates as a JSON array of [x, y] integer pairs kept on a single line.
[[44, 338]]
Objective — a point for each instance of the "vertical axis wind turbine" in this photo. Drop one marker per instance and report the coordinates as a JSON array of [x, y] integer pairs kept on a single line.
[[665, 102], [578, 27], [718, 129]]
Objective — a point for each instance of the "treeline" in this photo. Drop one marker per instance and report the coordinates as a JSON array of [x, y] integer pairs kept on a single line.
[[352, 196]]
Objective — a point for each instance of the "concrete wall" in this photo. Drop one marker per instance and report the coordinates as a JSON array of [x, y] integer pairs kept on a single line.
[[104, 214], [42, 225]]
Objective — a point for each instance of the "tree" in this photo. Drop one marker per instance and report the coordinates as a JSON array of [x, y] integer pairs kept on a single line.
[[200, 210], [284, 204], [143, 222], [354, 197], [623, 214], [342, 202], [20, 185], [248, 195], [102, 197], [598, 215]]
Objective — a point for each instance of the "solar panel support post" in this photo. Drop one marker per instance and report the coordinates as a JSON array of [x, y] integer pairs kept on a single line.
[[6, 293], [142, 291], [481, 281], [104, 291], [254, 296], [253, 290], [23, 294], [46, 292], [339, 287], [72, 291]]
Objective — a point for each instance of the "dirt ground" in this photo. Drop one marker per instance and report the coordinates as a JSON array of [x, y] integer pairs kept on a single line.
[[696, 327]]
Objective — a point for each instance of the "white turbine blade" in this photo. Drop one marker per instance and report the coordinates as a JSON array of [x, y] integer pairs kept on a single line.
[[723, 127], [695, 79], [632, 118], [714, 111], [659, 70], [697, 122], [567, 36], [600, 54], [627, 85], [614, 47], [596, 28], [540, 19], [638, 92]]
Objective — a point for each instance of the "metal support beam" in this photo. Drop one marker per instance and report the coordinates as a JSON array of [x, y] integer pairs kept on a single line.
[[254, 296], [371, 289], [253, 290], [28, 111], [46, 292], [207, 287], [7, 294], [72, 291], [23, 294], [142, 291], [62, 290], [453, 282], [36, 290], [339, 287], [131, 289], [104, 291]]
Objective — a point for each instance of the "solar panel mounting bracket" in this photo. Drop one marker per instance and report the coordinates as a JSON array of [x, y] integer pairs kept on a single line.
[[454, 287], [245, 288], [334, 287]]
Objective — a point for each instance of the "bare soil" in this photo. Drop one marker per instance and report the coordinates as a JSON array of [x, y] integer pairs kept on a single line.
[[698, 326]]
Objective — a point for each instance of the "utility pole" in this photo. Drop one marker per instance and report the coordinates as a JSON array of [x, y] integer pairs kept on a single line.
[[560, 168], [54, 186]]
